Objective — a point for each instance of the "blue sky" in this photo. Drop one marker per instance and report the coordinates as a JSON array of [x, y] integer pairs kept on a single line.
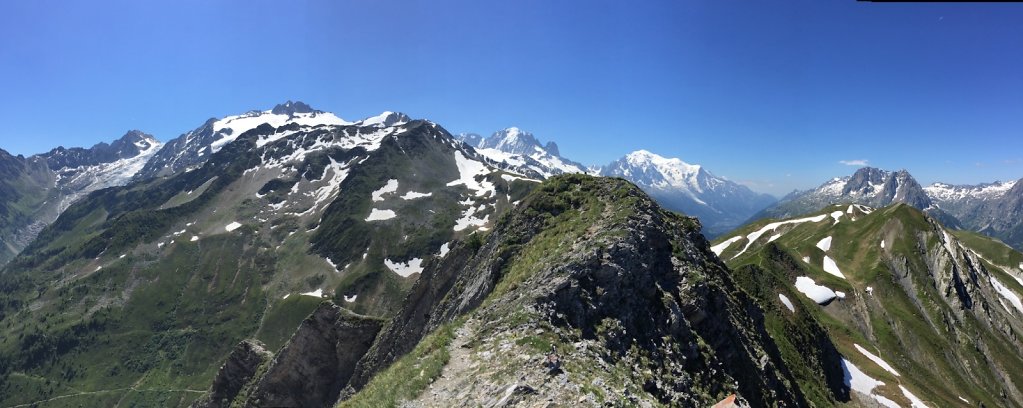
[[773, 94]]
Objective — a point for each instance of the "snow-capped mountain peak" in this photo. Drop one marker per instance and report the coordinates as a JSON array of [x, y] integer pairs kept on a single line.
[[675, 166], [521, 152], [228, 129], [385, 119], [720, 203], [946, 192], [512, 140]]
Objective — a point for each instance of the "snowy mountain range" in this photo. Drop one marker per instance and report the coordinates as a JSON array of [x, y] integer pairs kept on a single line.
[[867, 186], [995, 209], [522, 152], [719, 203]]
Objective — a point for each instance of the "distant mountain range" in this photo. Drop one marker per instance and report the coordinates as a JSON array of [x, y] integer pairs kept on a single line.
[[994, 209], [289, 257], [719, 203]]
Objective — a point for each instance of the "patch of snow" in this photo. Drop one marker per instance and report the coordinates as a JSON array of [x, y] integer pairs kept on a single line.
[[389, 188], [232, 226], [870, 290], [412, 195], [788, 303], [469, 219], [286, 296], [836, 215], [831, 267], [860, 382], [351, 299], [468, 170], [380, 215], [444, 249], [194, 238], [719, 248], [817, 293], [774, 237], [332, 264], [963, 399], [1007, 293], [509, 178], [239, 124], [915, 402], [850, 209], [122, 256], [406, 269], [882, 244], [160, 245], [315, 293], [877, 360], [753, 236], [824, 244], [806, 259], [840, 294]]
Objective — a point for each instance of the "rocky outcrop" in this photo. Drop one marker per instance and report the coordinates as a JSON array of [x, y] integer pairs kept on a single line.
[[625, 296], [318, 360], [240, 368]]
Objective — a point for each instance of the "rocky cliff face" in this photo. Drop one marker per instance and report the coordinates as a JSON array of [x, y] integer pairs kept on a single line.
[[241, 367], [627, 297], [307, 372]]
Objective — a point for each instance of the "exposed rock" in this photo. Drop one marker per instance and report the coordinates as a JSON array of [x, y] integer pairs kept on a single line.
[[240, 368], [318, 360], [619, 286]]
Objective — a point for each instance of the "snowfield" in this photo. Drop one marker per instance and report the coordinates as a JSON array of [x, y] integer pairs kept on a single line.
[[824, 244], [877, 360], [232, 226], [468, 170], [831, 267], [788, 303], [860, 382], [389, 188], [406, 269], [817, 293], [753, 236], [380, 215], [719, 248]]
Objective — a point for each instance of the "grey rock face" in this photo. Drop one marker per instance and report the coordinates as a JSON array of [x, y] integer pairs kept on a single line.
[[318, 360], [240, 368], [868, 186], [643, 291]]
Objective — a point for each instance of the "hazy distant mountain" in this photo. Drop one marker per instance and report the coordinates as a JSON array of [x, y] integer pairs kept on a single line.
[[995, 209], [867, 186], [719, 203]]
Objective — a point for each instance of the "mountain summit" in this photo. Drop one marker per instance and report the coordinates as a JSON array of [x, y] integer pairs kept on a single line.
[[868, 186], [520, 151], [721, 204]]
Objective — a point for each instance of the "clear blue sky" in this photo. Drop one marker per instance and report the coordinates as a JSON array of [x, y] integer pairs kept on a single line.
[[771, 93]]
